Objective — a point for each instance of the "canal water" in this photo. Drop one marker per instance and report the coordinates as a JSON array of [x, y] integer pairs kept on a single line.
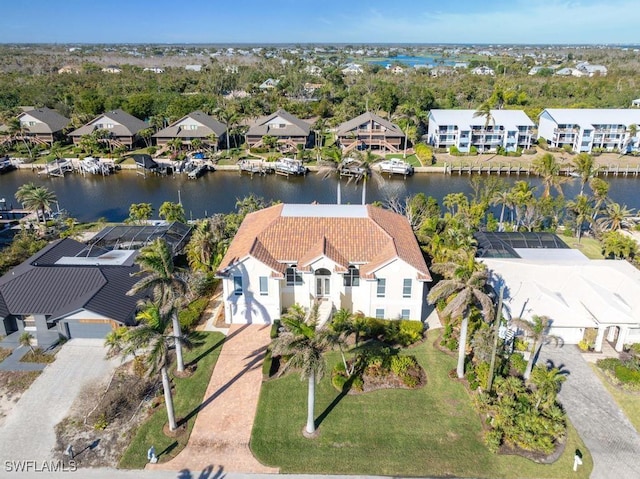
[[92, 197]]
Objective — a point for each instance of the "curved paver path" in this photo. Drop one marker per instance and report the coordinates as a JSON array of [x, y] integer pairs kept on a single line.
[[28, 432], [613, 442], [222, 431]]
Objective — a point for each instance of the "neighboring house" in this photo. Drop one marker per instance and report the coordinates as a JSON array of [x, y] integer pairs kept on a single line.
[[269, 84], [313, 70], [565, 72], [69, 290], [352, 69], [69, 69], [111, 69], [153, 69], [461, 65], [196, 124], [543, 277], [483, 70], [396, 69], [42, 125], [362, 258], [592, 70], [585, 129], [536, 69], [369, 131], [636, 103], [193, 68], [289, 131], [509, 129], [122, 128]]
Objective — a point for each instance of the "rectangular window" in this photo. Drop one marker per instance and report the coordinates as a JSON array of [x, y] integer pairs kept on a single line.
[[264, 286], [237, 285], [352, 277], [293, 277], [404, 314], [406, 288], [379, 313], [382, 288]]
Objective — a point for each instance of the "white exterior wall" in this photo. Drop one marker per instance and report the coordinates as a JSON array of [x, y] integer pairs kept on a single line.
[[251, 306], [546, 127], [189, 122], [568, 335], [26, 119], [393, 302]]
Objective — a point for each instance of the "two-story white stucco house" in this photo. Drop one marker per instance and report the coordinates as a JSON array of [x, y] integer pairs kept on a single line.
[[362, 258]]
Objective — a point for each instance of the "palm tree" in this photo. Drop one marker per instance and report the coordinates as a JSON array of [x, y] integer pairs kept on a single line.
[[548, 168], [582, 210], [17, 130], [208, 244], [547, 382], [600, 189], [616, 217], [229, 118], [172, 212], [25, 340], [484, 111], [504, 198], [364, 161], [305, 344], [196, 143], [168, 283], [36, 198], [462, 287], [538, 329], [154, 337], [585, 167], [331, 167]]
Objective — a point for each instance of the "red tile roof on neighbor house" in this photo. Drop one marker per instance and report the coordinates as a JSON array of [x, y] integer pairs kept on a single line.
[[287, 234]]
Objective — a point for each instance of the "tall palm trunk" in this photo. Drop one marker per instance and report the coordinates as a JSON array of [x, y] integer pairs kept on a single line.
[[177, 332], [311, 400], [535, 350], [339, 192], [364, 191], [168, 399], [462, 347], [502, 217]]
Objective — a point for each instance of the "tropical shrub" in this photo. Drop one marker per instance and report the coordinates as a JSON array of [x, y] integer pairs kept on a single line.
[[448, 340], [518, 363], [627, 375], [190, 316], [424, 153]]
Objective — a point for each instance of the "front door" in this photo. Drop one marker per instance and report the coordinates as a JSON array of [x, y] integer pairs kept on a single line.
[[323, 283], [323, 286]]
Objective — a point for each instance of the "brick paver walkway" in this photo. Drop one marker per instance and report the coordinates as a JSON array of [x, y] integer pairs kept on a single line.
[[222, 431], [610, 437]]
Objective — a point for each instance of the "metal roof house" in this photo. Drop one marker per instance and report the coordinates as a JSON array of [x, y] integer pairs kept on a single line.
[[583, 129], [196, 124], [122, 128], [69, 290], [370, 131], [289, 131]]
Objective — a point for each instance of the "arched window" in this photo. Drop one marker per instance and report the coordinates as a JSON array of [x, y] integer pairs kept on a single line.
[[352, 277]]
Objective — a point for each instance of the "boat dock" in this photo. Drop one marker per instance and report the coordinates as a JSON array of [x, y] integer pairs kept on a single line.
[[518, 169], [253, 167], [57, 168]]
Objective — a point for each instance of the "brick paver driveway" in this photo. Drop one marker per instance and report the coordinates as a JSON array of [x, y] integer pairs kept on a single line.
[[28, 432], [610, 437], [222, 431]]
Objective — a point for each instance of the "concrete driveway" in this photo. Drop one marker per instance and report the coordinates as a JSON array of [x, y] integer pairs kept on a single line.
[[28, 432]]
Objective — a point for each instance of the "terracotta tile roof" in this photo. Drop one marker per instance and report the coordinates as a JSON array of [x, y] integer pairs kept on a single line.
[[347, 234]]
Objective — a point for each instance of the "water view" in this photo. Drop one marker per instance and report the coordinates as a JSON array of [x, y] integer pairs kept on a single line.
[[92, 197]]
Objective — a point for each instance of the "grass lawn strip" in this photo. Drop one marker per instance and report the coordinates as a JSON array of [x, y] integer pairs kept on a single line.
[[432, 431], [590, 247], [628, 401], [188, 395]]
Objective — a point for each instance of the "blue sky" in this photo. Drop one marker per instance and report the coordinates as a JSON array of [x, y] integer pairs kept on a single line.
[[300, 21]]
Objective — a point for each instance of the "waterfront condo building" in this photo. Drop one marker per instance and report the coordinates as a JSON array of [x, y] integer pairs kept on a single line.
[[584, 130], [509, 129], [362, 258]]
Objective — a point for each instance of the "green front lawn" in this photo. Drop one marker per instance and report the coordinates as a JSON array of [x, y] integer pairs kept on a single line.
[[188, 395], [590, 247], [432, 431], [628, 401]]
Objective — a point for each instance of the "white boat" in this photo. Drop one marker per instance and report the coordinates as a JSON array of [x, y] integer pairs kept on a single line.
[[395, 166], [351, 167], [288, 166]]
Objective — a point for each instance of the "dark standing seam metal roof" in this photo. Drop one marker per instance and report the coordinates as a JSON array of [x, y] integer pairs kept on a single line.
[[38, 286]]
